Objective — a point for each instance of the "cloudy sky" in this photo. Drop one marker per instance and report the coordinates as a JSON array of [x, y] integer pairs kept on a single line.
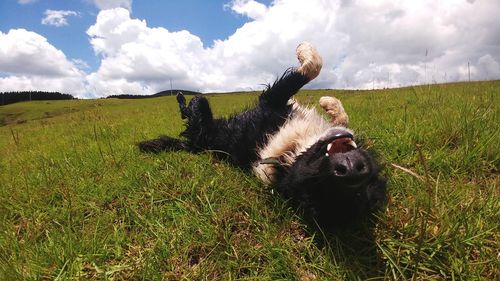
[[94, 48]]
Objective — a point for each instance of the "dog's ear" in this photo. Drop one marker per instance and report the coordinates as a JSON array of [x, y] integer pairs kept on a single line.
[[279, 166], [277, 171], [271, 161]]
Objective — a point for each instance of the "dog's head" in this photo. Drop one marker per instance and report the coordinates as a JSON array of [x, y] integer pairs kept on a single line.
[[335, 181]]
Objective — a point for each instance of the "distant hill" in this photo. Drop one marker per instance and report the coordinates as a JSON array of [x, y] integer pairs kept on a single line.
[[159, 94], [12, 97]]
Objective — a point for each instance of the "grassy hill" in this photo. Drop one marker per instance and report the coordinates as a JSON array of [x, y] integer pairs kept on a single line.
[[77, 199], [159, 94]]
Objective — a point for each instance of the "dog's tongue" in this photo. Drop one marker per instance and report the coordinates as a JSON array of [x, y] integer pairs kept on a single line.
[[340, 145]]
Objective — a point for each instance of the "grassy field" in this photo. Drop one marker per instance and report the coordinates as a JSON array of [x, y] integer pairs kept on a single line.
[[77, 199]]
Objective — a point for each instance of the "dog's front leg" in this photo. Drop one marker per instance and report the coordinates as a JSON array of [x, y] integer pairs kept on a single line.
[[334, 108], [277, 95]]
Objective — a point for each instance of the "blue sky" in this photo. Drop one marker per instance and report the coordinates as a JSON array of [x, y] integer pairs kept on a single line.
[[209, 20], [95, 48]]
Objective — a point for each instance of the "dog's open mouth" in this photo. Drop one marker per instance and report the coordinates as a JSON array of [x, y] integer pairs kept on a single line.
[[339, 141]]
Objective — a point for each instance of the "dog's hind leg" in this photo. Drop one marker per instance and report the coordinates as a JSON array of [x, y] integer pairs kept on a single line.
[[199, 125], [334, 108], [198, 111], [293, 79], [181, 100]]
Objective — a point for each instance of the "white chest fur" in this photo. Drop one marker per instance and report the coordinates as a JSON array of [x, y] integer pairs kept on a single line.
[[303, 128]]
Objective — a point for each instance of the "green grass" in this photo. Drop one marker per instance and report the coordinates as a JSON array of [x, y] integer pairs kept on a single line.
[[77, 200]]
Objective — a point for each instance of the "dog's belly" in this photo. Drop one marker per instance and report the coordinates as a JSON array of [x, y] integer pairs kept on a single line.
[[302, 129]]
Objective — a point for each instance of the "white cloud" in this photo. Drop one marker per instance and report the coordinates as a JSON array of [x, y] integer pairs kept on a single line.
[[488, 67], [249, 8], [364, 44], [137, 59], [110, 4], [24, 2], [80, 64], [29, 62], [57, 17]]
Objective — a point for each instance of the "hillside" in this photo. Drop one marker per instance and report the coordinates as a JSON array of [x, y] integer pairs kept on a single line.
[[159, 94], [13, 97], [78, 200]]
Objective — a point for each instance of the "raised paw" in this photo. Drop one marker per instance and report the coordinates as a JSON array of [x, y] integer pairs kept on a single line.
[[310, 60], [182, 105], [334, 108], [181, 99]]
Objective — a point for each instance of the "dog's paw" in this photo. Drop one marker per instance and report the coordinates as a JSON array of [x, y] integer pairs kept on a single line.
[[310, 60], [181, 99], [334, 108]]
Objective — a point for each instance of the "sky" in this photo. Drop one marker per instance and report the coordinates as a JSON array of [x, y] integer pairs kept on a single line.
[[96, 48]]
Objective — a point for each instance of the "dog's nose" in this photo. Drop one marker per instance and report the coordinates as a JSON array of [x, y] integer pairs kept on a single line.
[[352, 166]]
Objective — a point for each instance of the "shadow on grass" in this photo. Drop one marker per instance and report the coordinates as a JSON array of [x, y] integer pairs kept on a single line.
[[352, 248]]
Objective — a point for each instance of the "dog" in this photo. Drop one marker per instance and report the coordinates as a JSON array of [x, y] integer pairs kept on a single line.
[[312, 162]]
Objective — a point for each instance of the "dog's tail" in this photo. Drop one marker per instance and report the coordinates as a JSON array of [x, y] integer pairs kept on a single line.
[[163, 143], [293, 79]]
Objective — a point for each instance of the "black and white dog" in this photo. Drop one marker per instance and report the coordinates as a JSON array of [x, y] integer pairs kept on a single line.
[[313, 163]]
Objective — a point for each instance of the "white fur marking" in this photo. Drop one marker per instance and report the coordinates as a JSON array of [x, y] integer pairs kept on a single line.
[[334, 108], [310, 60], [304, 127]]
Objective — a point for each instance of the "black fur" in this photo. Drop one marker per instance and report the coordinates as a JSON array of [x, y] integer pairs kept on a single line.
[[310, 183], [236, 138]]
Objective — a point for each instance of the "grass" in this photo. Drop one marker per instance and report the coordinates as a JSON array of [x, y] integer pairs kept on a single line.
[[77, 200]]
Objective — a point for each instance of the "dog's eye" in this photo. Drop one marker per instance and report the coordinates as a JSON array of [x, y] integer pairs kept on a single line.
[[340, 145]]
